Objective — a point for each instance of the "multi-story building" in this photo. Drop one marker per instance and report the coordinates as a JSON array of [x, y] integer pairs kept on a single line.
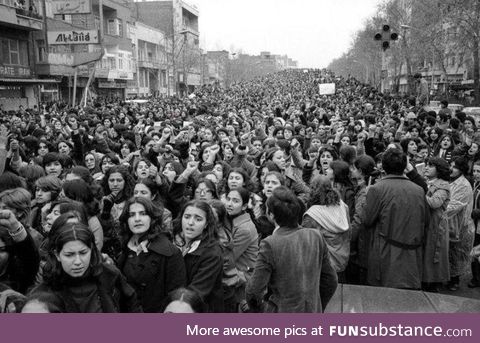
[[77, 44], [179, 21], [19, 84], [150, 77], [216, 68]]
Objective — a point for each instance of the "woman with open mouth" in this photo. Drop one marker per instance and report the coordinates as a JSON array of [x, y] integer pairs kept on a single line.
[[195, 235]]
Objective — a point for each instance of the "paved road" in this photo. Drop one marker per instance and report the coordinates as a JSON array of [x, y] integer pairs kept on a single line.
[[464, 291]]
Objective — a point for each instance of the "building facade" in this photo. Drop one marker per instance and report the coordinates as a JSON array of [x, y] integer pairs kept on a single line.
[[179, 21], [19, 85], [76, 44], [150, 59], [216, 66]]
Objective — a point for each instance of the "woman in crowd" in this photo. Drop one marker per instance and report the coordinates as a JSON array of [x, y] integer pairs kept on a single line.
[[195, 234], [460, 223], [76, 274], [184, 300], [148, 189], [436, 266], [118, 185], [362, 171], [19, 258], [329, 214], [80, 191], [150, 262], [244, 236], [47, 190]]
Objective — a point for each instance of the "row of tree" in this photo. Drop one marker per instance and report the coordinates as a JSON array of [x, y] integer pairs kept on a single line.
[[432, 33]]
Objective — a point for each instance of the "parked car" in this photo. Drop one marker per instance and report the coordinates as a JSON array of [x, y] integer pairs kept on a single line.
[[367, 299]]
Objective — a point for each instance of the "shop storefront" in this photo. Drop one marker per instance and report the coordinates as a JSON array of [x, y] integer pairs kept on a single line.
[[108, 89]]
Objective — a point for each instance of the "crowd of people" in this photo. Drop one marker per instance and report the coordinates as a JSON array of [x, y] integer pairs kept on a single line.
[[260, 197]]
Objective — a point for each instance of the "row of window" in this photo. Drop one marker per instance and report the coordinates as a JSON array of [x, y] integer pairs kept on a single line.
[[144, 78], [13, 52], [111, 63], [114, 26]]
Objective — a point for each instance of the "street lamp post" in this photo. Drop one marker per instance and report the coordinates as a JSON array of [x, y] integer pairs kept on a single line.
[[386, 36]]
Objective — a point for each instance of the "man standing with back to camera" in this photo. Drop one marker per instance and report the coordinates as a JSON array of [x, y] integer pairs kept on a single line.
[[293, 263], [397, 213]]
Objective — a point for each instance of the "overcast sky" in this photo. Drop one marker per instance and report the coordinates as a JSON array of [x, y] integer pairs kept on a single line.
[[312, 32]]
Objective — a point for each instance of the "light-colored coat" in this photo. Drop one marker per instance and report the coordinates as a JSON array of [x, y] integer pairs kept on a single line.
[[461, 226], [436, 266]]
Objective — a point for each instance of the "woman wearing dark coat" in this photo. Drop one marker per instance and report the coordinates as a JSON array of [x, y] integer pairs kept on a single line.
[[196, 235], [75, 274], [150, 262]]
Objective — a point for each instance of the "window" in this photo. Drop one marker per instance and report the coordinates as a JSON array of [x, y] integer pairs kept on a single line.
[[142, 78], [5, 52], [111, 63], [120, 27], [120, 61], [41, 53], [112, 28], [14, 54]]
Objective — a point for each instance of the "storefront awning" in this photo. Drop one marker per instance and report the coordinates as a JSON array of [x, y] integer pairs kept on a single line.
[[30, 81]]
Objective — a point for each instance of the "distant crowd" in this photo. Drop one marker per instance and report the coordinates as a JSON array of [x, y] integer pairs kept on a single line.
[[261, 197]]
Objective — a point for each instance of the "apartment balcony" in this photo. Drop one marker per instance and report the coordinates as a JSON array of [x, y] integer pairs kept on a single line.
[[190, 29], [19, 18], [149, 64]]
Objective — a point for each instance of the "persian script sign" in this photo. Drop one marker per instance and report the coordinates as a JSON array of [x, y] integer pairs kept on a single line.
[[73, 37], [72, 6]]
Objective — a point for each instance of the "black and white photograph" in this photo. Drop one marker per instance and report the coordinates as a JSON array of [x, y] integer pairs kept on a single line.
[[255, 156]]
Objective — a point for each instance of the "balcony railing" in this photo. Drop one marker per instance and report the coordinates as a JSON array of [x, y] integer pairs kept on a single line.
[[152, 64], [23, 11]]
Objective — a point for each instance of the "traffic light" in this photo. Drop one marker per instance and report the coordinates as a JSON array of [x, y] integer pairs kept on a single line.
[[386, 36]]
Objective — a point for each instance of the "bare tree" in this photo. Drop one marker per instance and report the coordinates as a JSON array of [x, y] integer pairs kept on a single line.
[[464, 15]]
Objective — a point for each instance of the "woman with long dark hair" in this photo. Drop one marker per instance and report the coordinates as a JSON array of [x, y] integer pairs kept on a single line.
[[195, 233], [76, 274], [151, 263]]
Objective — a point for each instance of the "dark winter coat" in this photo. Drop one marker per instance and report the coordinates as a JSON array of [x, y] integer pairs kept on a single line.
[[154, 274]]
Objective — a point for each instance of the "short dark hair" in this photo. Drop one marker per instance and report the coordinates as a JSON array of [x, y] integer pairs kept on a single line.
[[442, 166], [394, 161], [341, 172], [461, 163], [284, 206]]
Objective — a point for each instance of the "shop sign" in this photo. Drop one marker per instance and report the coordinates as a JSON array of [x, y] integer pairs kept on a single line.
[[14, 71], [111, 84], [72, 6], [61, 59], [73, 37]]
